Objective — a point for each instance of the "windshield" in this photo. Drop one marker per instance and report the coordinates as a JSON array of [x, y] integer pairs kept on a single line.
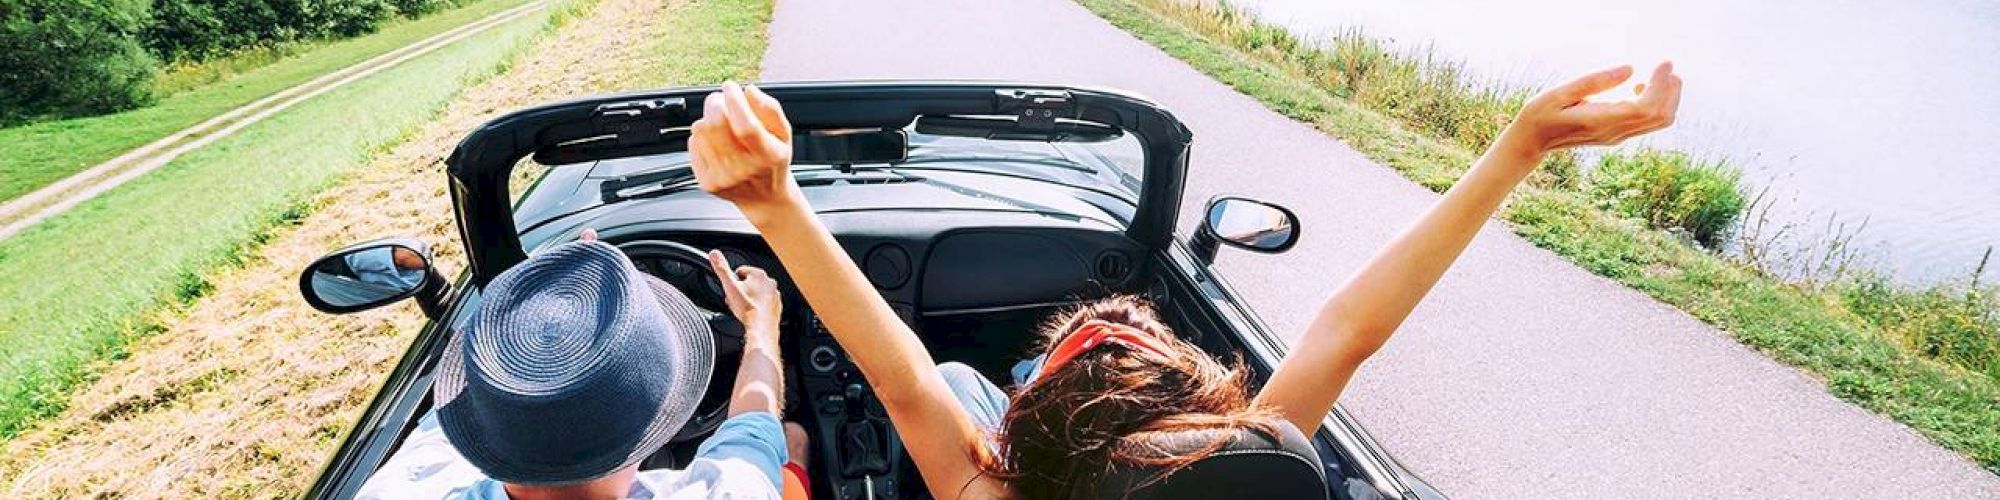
[[1116, 167]]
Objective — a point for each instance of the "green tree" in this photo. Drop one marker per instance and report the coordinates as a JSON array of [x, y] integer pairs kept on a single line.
[[62, 58]]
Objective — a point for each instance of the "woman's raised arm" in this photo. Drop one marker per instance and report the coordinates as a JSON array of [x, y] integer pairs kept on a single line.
[[742, 152], [1364, 312]]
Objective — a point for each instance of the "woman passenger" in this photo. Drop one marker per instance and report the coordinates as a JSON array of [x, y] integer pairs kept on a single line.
[[1114, 370]]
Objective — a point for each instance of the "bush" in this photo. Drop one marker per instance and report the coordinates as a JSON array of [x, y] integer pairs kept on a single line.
[[1671, 191], [62, 58], [201, 29], [68, 58], [418, 8]]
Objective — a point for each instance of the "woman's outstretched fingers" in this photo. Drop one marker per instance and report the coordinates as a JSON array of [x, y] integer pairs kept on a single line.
[[1668, 85], [1587, 85], [1661, 86], [1563, 116]]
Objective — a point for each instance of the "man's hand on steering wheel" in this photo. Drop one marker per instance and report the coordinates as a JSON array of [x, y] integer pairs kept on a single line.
[[751, 294], [753, 297]]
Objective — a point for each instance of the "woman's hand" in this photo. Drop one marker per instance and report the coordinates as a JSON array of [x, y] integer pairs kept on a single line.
[[1561, 117], [751, 294], [742, 149]]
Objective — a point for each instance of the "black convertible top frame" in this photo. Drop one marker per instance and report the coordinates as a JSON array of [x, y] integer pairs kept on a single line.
[[654, 122]]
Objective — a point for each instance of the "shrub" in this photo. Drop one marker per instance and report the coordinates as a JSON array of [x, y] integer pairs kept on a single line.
[[418, 8], [201, 29], [62, 58], [1671, 191], [68, 58]]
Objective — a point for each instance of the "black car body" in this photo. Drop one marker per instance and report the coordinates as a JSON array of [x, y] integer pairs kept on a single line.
[[972, 251]]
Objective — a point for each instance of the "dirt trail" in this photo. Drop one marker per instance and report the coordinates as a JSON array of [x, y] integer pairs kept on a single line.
[[246, 391]]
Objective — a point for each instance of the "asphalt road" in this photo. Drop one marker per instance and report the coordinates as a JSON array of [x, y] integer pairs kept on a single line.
[[1521, 375]]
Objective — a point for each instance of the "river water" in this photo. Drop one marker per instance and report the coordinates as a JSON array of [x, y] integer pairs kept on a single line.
[[1883, 112]]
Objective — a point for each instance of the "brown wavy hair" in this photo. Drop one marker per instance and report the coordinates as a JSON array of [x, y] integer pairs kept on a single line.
[[1070, 427]]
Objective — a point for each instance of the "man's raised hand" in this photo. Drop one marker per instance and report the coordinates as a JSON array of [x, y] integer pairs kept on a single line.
[[742, 148]]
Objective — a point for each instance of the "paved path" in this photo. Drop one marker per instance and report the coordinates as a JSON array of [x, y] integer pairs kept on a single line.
[[1521, 375], [18, 214]]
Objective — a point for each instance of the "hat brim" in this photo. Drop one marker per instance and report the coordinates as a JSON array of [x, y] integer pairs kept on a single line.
[[690, 348]]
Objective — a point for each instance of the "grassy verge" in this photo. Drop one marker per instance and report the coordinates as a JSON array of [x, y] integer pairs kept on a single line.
[[77, 283], [33, 156], [711, 59], [1926, 357]]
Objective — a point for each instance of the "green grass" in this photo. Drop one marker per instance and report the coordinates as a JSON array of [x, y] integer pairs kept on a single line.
[[185, 76], [712, 58], [32, 156], [1925, 357], [80, 285]]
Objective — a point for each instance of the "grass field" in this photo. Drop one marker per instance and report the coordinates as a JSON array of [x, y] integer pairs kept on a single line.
[[32, 156], [1928, 357], [76, 283], [242, 391]]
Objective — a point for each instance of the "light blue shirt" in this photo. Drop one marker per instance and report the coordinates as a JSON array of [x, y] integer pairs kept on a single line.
[[377, 266], [742, 460]]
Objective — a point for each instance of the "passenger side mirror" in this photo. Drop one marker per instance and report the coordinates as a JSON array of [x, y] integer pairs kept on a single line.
[[1247, 224], [373, 274]]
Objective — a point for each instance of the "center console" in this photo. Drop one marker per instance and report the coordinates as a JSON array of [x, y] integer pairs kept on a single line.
[[858, 454]]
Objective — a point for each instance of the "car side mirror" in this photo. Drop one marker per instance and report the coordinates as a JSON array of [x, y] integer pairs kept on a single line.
[[1247, 224], [374, 274]]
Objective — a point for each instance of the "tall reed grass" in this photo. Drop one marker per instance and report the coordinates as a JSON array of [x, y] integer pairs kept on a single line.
[[1427, 93]]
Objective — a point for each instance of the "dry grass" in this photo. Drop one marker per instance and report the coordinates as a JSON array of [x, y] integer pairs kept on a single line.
[[244, 392]]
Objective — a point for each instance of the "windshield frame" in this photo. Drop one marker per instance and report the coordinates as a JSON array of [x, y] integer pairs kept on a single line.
[[654, 122]]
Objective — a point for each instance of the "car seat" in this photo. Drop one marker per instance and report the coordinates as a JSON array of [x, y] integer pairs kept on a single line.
[[1254, 465]]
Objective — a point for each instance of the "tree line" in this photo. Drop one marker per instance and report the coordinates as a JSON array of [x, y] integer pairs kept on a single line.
[[69, 58]]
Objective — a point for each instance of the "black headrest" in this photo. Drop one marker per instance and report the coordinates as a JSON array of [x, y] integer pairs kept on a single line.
[[1254, 464]]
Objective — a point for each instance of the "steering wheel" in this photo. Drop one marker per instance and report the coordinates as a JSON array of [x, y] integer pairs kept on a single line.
[[714, 405]]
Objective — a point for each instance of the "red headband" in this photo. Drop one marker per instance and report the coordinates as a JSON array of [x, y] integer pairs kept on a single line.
[[1098, 332]]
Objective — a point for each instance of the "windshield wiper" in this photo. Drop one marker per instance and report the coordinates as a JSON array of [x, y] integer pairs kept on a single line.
[[668, 180], [1062, 164]]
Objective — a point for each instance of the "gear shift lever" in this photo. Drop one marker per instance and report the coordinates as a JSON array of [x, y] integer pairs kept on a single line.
[[857, 408], [863, 443]]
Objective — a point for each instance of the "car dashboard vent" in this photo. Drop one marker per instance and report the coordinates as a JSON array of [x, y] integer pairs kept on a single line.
[[1113, 267], [861, 178], [887, 266]]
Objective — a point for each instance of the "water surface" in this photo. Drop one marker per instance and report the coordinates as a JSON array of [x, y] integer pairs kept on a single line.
[[1887, 112]]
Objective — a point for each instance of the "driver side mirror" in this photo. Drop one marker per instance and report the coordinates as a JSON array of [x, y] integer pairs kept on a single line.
[[1247, 224], [374, 274]]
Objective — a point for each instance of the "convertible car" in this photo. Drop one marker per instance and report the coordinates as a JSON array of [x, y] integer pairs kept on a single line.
[[975, 209]]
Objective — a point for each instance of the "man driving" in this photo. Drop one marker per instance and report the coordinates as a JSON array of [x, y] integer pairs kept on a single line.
[[575, 369]]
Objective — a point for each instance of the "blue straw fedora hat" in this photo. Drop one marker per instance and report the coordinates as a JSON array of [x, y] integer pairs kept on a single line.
[[576, 366]]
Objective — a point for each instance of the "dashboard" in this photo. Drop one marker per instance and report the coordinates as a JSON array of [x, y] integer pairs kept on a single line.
[[932, 268], [948, 272]]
